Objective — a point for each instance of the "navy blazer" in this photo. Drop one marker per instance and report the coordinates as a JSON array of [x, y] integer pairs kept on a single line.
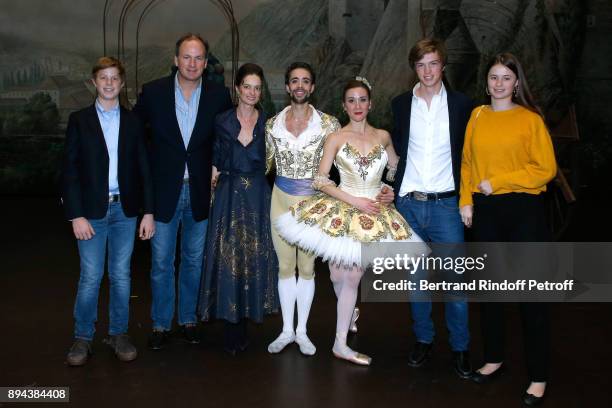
[[459, 110], [85, 167], [156, 107]]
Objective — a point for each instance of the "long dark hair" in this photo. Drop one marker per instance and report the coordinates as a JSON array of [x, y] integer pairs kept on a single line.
[[249, 69], [523, 95]]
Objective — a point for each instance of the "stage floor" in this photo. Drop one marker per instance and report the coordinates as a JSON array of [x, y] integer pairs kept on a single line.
[[38, 281]]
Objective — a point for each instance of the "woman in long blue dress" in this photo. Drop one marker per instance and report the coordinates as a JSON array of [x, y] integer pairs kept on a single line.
[[240, 266]]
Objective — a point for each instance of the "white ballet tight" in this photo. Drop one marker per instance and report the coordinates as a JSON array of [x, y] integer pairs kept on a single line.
[[346, 284]]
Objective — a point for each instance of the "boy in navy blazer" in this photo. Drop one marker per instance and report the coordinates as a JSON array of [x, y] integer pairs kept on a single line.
[[106, 182]]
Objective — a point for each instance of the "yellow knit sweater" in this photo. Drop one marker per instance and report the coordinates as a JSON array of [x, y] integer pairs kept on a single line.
[[512, 149]]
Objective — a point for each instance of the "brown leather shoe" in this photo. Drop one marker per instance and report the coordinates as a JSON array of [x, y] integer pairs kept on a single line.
[[123, 348], [79, 353]]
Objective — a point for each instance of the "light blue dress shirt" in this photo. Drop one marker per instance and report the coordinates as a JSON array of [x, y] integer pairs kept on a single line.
[[109, 122], [186, 112]]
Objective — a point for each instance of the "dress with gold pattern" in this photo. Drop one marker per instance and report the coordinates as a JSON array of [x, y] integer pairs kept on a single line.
[[334, 229], [240, 267]]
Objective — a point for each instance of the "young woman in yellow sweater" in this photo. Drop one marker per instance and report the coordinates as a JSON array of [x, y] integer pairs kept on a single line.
[[508, 159]]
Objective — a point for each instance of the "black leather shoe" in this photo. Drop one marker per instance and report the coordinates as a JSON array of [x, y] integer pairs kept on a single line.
[[531, 400], [190, 333], [480, 378], [158, 339], [419, 354], [462, 364]]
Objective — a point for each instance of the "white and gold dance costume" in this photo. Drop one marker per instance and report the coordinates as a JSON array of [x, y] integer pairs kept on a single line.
[[296, 160], [335, 230]]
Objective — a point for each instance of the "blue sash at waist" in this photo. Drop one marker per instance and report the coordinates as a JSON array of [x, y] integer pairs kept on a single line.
[[299, 187]]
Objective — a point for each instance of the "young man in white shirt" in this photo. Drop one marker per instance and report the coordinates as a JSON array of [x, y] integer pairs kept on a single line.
[[429, 127]]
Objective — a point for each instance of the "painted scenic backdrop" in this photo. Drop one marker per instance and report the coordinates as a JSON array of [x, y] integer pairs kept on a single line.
[[47, 50]]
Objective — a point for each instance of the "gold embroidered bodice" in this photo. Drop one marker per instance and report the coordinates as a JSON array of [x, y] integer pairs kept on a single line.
[[297, 158], [361, 175]]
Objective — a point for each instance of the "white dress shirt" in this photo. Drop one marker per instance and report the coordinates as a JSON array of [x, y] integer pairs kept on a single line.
[[429, 166]]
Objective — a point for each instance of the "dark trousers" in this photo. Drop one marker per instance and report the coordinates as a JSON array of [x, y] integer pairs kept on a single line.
[[514, 217]]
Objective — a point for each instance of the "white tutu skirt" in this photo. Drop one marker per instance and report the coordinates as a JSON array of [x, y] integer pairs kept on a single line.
[[335, 230]]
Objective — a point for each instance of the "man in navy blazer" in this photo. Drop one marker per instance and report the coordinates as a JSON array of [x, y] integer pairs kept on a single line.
[[180, 111], [429, 127], [106, 181]]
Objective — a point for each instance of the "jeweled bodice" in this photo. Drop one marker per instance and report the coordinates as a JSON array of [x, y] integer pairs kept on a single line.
[[361, 175], [297, 157]]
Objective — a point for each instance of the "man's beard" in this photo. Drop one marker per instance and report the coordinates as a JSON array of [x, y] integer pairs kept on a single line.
[[302, 101]]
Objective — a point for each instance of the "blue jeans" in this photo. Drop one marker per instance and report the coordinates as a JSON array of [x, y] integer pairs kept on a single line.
[[437, 221], [163, 246], [120, 232]]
